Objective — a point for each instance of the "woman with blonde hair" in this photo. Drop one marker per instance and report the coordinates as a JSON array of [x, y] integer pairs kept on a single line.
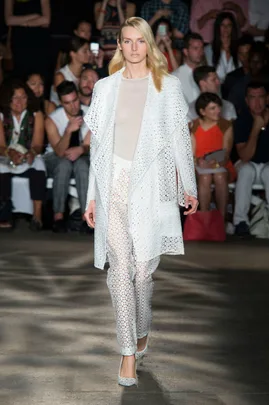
[[141, 169]]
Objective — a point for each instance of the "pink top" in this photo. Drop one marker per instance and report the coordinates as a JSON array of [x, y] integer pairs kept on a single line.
[[202, 7]]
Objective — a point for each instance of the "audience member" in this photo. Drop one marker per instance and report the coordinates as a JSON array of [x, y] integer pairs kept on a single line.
[[82, 29], [193, 56], [30, 39], [222, 53], [204, 13], [35, 82], [212, 133], [243, 48], [109, 15], [21, 142], [251, 133], [68, 151], [86, 83], [258, 18], [207, 80], [78, 56], [258, 71], [174, 10], [163, 33]]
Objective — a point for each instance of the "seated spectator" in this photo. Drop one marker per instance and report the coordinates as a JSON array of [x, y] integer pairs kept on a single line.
[[35, 82], [211, 133], [204, 13], [78, 56], [68, 151], [163, 33], [222, 53], [176, 11], [193, 56], [258, 71], [243, 48], [82, 29], [207, 80], [251, 131], [21, 142], [109, 16], [86, 83]]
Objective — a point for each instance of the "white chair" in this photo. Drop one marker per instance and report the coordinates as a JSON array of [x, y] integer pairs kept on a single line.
[[21, 199]]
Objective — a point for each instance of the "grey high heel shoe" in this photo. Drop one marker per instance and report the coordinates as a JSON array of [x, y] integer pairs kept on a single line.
[[139, 355], [127, 381]]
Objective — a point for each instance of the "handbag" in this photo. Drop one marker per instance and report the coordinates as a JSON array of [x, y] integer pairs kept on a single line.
[[205, 226]]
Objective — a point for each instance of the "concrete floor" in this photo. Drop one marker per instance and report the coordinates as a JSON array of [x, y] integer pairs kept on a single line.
[[210, 338]]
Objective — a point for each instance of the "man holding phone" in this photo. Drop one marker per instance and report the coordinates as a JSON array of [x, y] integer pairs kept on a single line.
[[68, 151], [176, 11]]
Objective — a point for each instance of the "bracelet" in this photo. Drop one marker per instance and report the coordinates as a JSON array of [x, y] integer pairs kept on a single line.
[[33, 151], [217, 165], [6, 152]]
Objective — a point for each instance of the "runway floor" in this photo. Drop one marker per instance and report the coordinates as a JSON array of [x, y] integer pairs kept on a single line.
[[210, 339]]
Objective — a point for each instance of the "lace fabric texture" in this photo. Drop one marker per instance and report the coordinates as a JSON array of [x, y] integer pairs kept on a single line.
[[129, 281], [162, 169]]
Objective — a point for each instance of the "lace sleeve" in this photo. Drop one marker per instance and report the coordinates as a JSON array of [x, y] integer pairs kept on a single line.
[[91, 183], [184, 162]]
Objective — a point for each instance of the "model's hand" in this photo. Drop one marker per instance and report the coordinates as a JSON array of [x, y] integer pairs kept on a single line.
[[204, 164], [192, 202], [89, 214], [73, 153]]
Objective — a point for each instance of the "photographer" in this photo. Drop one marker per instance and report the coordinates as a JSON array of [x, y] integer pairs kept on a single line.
[[163, 33]]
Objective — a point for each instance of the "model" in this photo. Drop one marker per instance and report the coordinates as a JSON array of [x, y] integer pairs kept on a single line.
[[141, 168]]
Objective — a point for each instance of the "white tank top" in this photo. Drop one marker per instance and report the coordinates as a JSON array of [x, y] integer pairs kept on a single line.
[[61, 120]]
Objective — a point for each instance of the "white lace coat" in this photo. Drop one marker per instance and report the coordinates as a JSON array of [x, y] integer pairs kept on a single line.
[[163, 149]]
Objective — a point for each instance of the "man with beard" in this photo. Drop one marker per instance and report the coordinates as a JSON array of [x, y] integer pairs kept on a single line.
[[87, 80]]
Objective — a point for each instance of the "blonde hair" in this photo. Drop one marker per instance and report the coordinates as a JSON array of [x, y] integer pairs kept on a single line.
[[156, 61]]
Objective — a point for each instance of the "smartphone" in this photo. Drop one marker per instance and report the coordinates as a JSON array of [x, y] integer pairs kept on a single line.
[[162, 30], [94, 47]]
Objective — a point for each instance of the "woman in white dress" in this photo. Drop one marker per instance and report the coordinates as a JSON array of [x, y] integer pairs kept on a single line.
[[141, 170]]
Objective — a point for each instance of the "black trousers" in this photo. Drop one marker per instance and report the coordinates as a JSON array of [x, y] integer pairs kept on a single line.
[[37, 183]]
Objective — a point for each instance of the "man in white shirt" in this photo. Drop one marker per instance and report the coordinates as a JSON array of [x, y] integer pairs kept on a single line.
[[68, 151], [193, 56], [207, 80]]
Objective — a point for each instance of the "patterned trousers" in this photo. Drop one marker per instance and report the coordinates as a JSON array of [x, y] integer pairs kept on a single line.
[[61, 170], [129, 281]]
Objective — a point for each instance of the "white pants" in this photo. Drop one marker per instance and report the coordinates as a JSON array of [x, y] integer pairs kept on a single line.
[[248, 174], [129, 281]]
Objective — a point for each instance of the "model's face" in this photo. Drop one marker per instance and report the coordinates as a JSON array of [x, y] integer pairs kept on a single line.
[[195, 51], [36, 84], [256, 100], [211, 112], [243, 52], [226, 28], [87, 82], [84, 30], [19, 101], [71, 104], [83, 54], [133, 45], [211, 83]]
